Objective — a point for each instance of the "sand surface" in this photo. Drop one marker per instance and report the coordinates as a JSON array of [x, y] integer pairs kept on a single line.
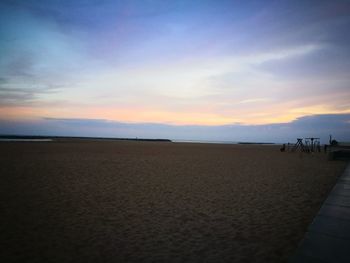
[[90, 201]]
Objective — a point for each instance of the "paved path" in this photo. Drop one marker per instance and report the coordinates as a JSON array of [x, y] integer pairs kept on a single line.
[[328, 236]]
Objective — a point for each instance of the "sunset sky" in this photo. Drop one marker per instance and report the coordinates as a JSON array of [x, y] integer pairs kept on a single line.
[[177, 63]]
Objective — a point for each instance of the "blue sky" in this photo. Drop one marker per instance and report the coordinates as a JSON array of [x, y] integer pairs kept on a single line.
[[174, 63]]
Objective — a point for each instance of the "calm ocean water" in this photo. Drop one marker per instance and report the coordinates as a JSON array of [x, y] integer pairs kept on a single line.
[[203, 141], [221, 142]]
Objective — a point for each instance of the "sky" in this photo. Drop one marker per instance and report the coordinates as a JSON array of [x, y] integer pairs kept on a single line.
[[223, 70]]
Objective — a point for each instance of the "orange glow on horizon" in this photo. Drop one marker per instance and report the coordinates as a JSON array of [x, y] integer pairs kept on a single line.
[[141, 115]]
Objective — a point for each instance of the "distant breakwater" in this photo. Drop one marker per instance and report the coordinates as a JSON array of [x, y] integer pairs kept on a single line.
[[42, 137]]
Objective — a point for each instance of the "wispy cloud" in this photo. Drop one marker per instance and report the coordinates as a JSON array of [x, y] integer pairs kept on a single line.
[[253, 100], [284, 53]]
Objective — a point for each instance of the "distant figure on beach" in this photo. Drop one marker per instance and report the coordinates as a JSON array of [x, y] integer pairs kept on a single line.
[[325, 148], [283, 149], [332, 142]]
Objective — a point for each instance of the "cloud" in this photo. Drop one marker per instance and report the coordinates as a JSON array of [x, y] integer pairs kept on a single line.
[[39, 59], [12, 93], [210, 62], [308, 126]]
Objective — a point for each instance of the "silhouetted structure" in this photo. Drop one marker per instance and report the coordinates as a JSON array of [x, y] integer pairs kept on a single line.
[[308, 145], [299, 145], [313, 144]]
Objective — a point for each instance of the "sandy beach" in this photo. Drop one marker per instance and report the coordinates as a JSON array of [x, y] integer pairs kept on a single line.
[[125, 201]]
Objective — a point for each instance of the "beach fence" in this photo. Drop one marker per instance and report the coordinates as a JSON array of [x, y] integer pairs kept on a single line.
[[339, 151]]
